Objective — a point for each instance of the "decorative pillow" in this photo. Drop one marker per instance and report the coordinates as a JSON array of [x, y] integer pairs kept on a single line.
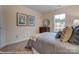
[[75, 36], [58, 35], [66, 34]]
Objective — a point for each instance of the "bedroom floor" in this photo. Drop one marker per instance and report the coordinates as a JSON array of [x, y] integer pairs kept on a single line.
[[16, 48]]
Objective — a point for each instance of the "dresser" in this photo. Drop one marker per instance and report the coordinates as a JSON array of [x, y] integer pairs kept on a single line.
[[44, 29]]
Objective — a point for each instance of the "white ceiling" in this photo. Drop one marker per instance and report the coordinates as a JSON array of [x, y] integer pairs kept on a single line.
[[44, 8]]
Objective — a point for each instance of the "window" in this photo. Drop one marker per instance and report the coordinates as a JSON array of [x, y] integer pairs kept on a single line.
[[59, 22], [75, 22]]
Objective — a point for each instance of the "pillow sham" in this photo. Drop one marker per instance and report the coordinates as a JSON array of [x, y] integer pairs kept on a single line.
[[66, 34], [58, 35], [75, 36]]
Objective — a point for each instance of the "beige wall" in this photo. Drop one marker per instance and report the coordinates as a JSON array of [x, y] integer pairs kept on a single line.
[[19, 33], [72, 12]]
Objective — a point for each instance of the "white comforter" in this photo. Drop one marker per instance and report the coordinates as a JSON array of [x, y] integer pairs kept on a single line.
[[50, 38]]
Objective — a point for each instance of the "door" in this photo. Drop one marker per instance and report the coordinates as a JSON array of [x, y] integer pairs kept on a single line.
[[0, 32], [1, 25], [2, 28]]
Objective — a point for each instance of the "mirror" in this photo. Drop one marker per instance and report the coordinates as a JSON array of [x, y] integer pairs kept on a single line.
[[46, 22]]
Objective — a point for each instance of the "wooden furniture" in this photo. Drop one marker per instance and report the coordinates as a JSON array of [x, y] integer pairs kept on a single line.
[[28, 49], [44, 29]]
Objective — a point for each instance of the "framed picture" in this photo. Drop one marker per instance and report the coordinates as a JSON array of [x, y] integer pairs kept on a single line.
[[21, 19], [30, 20]]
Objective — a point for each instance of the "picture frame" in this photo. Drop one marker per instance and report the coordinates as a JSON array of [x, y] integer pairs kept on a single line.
[[21, 19], [30, 20]]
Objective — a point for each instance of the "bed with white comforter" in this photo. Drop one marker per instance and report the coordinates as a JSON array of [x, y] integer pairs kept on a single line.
[[46, 43]]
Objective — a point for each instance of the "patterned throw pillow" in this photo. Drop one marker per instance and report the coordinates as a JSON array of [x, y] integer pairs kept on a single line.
[[66, 34]]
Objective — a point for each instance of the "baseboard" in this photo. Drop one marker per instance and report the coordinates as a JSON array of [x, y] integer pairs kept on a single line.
[[17, 41], [14, 42]]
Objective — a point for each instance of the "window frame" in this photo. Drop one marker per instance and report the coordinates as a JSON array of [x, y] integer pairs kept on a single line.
[[59, 19], [75, 22]]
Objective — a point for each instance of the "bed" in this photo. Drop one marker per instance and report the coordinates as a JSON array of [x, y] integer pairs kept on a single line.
[[46, 43]]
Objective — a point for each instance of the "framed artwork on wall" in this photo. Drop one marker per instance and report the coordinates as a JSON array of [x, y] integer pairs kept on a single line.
[[21, 19], [30, 20]]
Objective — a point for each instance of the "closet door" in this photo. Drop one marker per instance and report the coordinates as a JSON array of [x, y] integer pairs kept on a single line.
[[2, 29], [0, 32]]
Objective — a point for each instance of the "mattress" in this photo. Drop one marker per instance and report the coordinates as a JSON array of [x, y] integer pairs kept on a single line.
[[46, 43]]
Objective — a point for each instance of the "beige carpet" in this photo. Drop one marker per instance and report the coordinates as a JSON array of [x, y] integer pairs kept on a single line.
[[16, 48]]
